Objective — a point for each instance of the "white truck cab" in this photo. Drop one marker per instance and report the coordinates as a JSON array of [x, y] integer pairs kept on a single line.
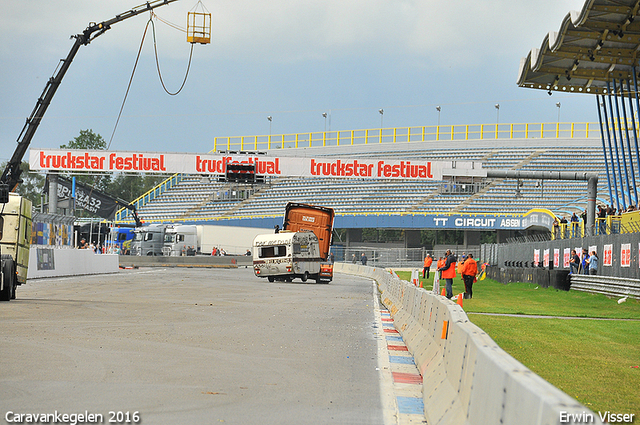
[[180, 240], [287, 255]]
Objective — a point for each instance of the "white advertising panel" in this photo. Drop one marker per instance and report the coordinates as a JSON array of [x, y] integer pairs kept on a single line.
[[267, 165]]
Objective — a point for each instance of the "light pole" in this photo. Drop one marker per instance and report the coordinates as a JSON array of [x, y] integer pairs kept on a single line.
[[558, 105], [324, 114], [270, 118], [381, 116], [438, 108], [497, 106]]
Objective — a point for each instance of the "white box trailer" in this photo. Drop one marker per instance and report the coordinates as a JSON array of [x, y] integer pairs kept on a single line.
[[287, 255]]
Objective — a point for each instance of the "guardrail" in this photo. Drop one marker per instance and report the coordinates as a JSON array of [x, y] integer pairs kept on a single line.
[[467, 378], [554, 130], [607, 285]]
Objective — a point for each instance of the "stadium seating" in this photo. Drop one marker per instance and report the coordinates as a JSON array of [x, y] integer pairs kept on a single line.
[[195, 198]]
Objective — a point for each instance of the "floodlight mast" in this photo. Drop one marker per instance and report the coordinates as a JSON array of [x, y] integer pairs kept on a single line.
[[11, 175]]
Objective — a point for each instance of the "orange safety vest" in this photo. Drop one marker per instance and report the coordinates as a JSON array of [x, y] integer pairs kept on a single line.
[[450, 273], [470, 267], [428, 261]]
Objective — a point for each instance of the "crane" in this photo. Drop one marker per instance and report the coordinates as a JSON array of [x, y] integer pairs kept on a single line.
[[15, 211], [11, 175]]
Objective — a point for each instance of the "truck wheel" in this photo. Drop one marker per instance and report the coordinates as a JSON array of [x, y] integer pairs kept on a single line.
[[8, 276], [271, 279], [305, 276]]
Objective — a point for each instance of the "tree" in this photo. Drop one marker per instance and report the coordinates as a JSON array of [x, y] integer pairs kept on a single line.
[[130, 186], [88, 140]]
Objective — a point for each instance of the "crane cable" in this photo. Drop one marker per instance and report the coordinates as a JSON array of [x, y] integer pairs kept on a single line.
[[155, 49], [135, 65]]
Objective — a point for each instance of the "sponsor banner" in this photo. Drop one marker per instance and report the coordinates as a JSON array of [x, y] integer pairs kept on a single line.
[[545, 261], [556, 257], [625, 255], [608, 255], [566, 258], [155, 162], [536, 257], [87, 198]]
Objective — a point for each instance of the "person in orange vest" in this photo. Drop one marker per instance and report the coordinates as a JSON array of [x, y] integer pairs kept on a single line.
[[469, 272], [439, 265], [428, 260], [449, 272]]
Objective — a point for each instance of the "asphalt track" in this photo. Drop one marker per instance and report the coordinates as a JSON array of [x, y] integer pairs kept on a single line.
[[192, 346]]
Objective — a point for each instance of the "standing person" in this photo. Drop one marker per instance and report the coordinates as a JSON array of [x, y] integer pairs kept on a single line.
[[439, 265], [353, 258], [593, 263], [363, 259], [574, 263], [585, 261], [428, 260], [574, 225], [469, 272], [449, 272]]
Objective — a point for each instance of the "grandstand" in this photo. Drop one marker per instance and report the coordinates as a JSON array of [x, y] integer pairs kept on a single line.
[[202, 199]]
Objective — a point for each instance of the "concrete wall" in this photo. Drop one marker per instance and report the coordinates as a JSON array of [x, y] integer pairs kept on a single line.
[[45, 261], [467, 378]]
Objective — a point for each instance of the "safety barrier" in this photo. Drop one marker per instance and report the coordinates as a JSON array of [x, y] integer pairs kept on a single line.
[[607, 285], [467, 378], [47, 261]]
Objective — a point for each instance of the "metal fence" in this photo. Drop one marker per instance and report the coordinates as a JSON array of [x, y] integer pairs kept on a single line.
[[382, 257], [619, 255]]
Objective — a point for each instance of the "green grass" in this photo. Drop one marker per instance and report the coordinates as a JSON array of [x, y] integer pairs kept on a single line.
[[591, 360]]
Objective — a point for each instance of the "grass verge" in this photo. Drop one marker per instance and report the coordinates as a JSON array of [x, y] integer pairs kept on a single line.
[[591, 360]]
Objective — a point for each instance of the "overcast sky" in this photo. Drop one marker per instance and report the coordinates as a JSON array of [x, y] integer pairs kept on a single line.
[[292, 60]]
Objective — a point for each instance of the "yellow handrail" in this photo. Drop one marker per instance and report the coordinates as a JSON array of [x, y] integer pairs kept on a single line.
[[409, 134]]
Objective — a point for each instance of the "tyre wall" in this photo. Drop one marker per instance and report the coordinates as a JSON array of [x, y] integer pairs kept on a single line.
[[467, 378]]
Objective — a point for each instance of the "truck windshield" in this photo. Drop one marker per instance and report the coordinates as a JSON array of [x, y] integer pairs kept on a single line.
[[273, 251], [169, 238], [139, 236]]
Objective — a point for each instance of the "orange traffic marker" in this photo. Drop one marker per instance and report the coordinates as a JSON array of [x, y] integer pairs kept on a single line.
[[459, 300], [445, 329], [443, 292]]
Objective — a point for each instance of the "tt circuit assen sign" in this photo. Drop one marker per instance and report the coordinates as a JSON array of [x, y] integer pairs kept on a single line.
[[153, 162]]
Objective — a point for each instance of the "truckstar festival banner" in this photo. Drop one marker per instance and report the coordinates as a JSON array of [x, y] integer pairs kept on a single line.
[[155, 162]]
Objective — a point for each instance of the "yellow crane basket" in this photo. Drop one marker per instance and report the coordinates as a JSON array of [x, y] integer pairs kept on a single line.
[[199, 27]]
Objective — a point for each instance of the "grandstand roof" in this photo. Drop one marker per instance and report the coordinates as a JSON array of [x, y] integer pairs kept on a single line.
[[595, 45]]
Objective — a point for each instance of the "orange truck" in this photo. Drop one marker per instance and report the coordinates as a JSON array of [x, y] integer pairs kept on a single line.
[[300, 249]]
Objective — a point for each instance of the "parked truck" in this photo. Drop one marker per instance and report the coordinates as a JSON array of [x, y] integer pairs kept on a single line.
[[122, 237], [300, 249], [148, 240], [181, 240], [15, 238]]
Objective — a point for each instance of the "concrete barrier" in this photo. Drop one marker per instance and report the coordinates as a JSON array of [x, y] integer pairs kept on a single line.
[[189, 261], [45, 261], [467, 378]]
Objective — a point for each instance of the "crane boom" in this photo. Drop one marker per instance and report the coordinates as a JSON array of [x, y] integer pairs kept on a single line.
[[11, 175]]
